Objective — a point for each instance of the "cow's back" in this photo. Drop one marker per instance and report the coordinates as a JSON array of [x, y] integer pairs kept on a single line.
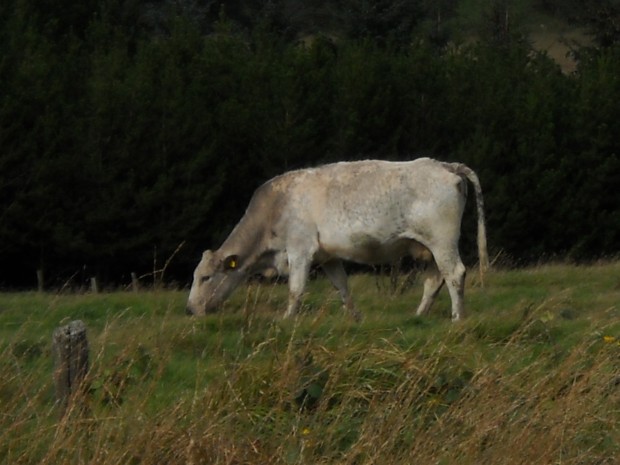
[[379, 194], [367, 211]]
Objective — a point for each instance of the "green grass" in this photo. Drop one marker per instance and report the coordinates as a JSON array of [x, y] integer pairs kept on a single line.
[[531, 376]]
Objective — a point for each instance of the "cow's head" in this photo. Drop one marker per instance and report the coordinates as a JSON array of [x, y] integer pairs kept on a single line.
[[215, 277]]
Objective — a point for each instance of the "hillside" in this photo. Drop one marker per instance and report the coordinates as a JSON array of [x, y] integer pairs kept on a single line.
[[532, 376]]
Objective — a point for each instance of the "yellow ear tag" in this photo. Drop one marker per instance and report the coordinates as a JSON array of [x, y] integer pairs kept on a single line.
[[231, 262]]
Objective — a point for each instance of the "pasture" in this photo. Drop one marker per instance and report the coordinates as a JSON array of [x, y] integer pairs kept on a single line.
[[532, 376]]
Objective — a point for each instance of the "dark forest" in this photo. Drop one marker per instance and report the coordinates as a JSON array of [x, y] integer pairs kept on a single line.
[[133, 133]]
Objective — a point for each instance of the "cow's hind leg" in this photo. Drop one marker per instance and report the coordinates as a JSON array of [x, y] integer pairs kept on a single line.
[[338, 277], [432, 285], [453, 271]]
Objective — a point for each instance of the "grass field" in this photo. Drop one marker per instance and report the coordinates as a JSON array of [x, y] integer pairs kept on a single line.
[[531, 377]]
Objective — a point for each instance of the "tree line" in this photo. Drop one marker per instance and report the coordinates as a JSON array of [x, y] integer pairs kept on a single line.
[[134, 133]]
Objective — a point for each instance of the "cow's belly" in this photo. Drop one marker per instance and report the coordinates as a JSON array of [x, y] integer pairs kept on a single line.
[[365, 248]]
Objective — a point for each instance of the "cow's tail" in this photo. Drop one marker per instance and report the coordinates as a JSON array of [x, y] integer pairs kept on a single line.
[[483, 255]]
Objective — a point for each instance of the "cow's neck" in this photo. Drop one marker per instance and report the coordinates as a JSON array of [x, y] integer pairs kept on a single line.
[[245, 241]]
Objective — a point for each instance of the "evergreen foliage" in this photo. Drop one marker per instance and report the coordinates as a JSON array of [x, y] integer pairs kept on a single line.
[[129, 128]]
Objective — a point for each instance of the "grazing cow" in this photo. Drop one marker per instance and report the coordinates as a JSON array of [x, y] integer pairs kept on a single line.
[[368, 212]]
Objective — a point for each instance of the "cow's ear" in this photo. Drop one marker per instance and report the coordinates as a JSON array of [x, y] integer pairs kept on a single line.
[[231, 262]]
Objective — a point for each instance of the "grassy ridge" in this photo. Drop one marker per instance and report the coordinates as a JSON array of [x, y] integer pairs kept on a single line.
[[532, 376]]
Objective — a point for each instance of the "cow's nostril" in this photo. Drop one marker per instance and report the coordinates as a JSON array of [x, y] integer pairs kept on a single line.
[[188, 311]]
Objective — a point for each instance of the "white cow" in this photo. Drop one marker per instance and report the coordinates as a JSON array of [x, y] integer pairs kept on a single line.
[[364, 211]]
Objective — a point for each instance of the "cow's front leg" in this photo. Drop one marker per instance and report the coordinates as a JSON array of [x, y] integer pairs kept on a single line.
[[338, 277], [298, 275]]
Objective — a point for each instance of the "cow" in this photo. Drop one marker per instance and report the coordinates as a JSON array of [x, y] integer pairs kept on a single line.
[[368, 212]]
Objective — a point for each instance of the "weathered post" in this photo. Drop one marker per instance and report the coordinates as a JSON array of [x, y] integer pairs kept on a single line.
[[70, 348], [94, 287], [40, 280], [135, 283]]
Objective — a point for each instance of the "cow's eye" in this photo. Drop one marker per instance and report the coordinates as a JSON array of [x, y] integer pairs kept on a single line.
[[205, 279]]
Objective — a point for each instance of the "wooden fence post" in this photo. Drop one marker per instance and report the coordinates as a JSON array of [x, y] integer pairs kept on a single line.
[[40, 281], [135, 283], [70, 348]]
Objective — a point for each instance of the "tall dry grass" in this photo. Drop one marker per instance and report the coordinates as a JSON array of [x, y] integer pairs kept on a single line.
[[529, 378]]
